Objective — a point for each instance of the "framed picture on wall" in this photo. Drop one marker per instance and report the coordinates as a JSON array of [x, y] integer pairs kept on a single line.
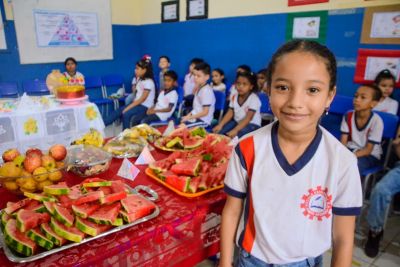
[[307, 25], [196, 9], [381, 25], [370, 62], [170, 11]]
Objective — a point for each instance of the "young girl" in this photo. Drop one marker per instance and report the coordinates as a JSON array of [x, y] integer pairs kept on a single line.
[[232, 91], [144, 92], [218, 80], [292, 187], [262, 80], [386, 81], [74, 77], [243, 115]]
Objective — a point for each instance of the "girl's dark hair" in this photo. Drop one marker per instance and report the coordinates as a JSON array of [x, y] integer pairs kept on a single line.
[[263, 72], [221, 72], [251, 77], [307, 46], [383, 75], [172, 74], [244, 67], [166, 57], [70, 59], [145, 63]]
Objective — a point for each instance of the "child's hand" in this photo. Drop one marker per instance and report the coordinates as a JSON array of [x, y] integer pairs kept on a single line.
[[232, 133], [217, 129], [125, 110], [150, 111], [186, 118]]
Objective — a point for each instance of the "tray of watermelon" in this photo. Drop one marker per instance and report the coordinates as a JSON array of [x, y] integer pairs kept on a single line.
[[63, 217], [194, 172]]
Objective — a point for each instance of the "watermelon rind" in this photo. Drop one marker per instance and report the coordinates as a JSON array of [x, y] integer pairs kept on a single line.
[[82, 226], [40, 209], [98, 184], [49, 207], [13, 207], [56, 189], [106, 214], [38, 197], [110, 198], [58, 214], [51, 235], [4, 218], [20, 246], [59, 230], [39, 239], [177, 141], [117, 222], [82, 210]]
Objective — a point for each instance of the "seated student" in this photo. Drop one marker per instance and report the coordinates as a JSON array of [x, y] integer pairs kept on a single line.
[[243, 115], [204, 98], [166, 101], [232, 91], [218, 80], [362, 129], [74, 77], [189, 83], [163, 64], [262, 80], [144, 97], [386, 82], [379, 202]]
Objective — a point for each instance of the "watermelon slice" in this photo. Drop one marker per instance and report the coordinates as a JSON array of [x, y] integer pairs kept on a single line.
[[106, 214], [105, 189], [4, 218], [13, 207], [94, 179], [97, 184], [90, 228], [27, 219], [217, 174], [39, 197], [188, 167], [85, 209], [113, 197], [51, 235], [36, 236], [162, 165], [17, 240], [175, 142], [69, 233], [56, 189], [191, 142], [89, 197], [203, 181], [49, 207], [163, 175], [137, 204], [117, 222], [75, 192], [33, 205], [179, 182], [194, 184], [118, 186], [198, 131], [63, 215]]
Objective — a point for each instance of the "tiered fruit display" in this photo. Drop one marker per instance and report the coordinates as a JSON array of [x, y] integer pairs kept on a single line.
[[93, 137], [31, 171], [182, 139], [199, 169], [65, 214]]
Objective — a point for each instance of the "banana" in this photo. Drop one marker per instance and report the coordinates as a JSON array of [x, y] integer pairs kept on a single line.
[[93, 137]]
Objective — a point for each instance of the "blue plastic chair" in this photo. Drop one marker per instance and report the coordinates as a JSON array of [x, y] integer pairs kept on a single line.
[[94, 89], [219, 103], [8, 89], [111, 84], [265, 108], [36, 87]]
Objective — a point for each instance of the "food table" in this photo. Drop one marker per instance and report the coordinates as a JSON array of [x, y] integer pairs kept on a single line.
[[185, 233], [43, 122]]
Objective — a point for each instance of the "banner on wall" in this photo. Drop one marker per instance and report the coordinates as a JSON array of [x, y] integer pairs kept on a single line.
[[307, 25], [370, 62], [305, 2]]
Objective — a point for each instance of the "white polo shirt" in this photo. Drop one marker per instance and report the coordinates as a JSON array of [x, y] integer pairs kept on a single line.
[[220, 87], [388, 105], [252, 103], [288, 209], [164, 100], [204, 97], [359, 137], [189, 84], [141, 86], [77, 79]]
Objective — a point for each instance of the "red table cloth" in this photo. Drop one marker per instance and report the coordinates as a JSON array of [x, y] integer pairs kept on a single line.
[[185, 232]]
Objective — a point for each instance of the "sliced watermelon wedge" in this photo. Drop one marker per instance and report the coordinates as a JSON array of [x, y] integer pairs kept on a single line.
[[194, 184], [51, 235], [85, 209], [137, 204], [75, 192], [97, 184], [37, 236], [17, 240], [113, 197], [4, 218], [49, 207], [65, 201], [106, 214], [39, 197], [69, 233], [90, 228], [57, 189], [13, 207], [188, 167], [179, 182], [162, 165], [63, 215], [118, 186], [163, 175], [105, 189], [89, 197], [27, 219]]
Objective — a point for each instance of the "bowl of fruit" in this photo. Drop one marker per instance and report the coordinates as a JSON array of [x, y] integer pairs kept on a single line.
[[31, 171], [87, 160]]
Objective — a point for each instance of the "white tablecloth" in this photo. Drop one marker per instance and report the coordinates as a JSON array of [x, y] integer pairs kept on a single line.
[[57, 124]]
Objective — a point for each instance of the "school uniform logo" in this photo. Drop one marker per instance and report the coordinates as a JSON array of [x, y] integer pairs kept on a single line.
[[317, 204]]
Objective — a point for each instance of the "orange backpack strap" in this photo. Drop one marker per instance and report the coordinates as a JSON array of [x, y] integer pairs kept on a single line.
[[349, 118]]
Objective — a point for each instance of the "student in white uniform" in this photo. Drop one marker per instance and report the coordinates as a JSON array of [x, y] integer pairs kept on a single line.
[[293, 190], [218, 80], [73, 76], [133, 113], [243, 115], [164, 64], [166, 101], [386, 82], [190, 84], [204, 98], [362, 129]]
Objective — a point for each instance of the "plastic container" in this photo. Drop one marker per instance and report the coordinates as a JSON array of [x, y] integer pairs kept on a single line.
[[121, 147], [54, 80], [85, 160]]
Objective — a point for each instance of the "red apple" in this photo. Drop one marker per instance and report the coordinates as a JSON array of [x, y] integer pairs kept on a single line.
[[32, 162], [10, 154], [48, 162], [58, 152], [33, 151]]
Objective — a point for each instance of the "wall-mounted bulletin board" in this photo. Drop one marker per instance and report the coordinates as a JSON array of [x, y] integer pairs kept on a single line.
[[381, 25], [307, 25], [50, 31]]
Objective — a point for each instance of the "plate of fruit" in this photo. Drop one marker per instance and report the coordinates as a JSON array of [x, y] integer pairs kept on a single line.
[[31, 171], [87, 160]]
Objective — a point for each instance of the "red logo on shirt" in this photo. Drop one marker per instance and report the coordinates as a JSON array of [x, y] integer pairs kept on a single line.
[[317, 204]]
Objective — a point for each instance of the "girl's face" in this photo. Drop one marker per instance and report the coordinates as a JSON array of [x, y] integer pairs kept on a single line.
[[70, 66], [243, 85], [299, 92], [261, 79], [139, 71], [386, 86], [163, 63], [216, 77]]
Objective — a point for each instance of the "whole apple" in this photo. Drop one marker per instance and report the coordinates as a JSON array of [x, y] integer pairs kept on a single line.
[[58, 152], [32, 162], [48, 162], [10, 154], [33, 151]]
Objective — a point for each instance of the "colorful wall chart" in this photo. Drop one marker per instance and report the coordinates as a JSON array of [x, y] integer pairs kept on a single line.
[[54, 28]]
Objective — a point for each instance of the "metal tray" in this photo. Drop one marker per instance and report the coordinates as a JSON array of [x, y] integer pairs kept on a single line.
[[12, 256]]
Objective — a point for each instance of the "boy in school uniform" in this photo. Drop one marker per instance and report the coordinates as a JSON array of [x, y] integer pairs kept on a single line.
[[166, 101], [362, 129], [189, 83], [164, 64], [204, 98]]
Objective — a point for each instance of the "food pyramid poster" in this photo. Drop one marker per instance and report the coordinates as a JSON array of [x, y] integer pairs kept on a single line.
[[68, 34]]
